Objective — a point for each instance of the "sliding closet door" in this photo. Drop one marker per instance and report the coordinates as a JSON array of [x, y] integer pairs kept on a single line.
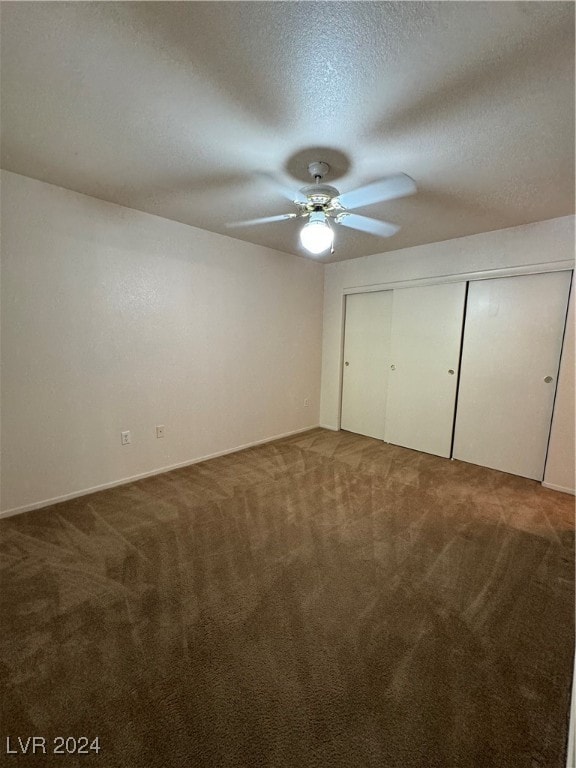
[[510, 358], [425, 351], [366, 356]]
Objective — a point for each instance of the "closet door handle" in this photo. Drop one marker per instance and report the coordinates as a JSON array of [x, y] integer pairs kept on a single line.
[[548, 379], [451, 371], [346, 363], [392, 367]]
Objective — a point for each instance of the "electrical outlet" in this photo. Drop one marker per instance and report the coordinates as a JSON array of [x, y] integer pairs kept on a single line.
[[126, 438], [306, 402], [160, 430]]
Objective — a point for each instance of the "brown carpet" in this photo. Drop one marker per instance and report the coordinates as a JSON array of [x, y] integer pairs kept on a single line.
[[323, 601]]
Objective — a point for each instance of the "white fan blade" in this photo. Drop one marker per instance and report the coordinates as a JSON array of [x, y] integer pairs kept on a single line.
[[365, 224], [386, 189], [264, 220]]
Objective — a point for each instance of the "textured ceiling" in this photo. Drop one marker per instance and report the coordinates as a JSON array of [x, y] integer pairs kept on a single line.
[[180, 109]]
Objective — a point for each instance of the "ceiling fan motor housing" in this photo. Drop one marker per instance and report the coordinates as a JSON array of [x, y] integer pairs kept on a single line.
[[319, 194]]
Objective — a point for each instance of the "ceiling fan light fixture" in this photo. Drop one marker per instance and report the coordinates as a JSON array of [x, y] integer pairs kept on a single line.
[[324, 206], [316, 236]]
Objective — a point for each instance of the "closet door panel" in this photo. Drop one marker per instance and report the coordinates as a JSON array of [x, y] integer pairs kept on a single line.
[[425, 351], [366, 366], [510, 358]]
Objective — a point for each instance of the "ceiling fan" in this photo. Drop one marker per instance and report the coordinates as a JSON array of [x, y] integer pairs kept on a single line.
[[323, 206]]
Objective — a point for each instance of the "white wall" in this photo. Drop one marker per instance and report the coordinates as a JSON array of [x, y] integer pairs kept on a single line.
[[117, 320], [560, 467], [547, 242]]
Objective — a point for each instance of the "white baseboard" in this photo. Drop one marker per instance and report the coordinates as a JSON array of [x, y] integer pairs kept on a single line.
[[330, 427], [151, 473], [560, 488]]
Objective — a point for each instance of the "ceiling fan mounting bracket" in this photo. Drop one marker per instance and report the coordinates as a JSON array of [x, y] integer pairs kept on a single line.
[[318, 170]]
